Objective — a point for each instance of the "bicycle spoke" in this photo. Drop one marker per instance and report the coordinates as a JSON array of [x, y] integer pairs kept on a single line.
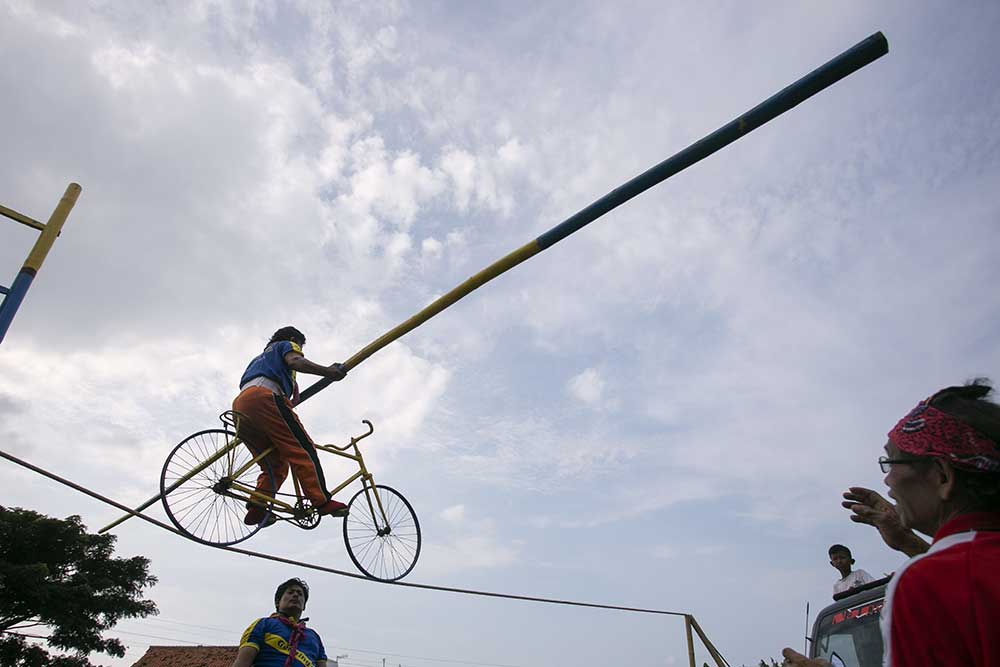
[[193, 504], [382, 533]]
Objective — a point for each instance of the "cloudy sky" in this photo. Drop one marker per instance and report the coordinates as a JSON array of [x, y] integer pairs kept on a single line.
[[660, 411]]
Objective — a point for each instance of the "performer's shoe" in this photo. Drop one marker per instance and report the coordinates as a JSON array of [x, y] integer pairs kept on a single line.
[[332, 508], [258, 515]]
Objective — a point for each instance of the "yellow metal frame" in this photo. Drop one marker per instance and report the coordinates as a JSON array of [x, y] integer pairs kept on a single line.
[[14, 295], [278, 506], [689, 624]]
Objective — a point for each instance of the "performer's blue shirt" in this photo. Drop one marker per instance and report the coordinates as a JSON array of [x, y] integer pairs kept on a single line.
[[271, 364], [271, 637]]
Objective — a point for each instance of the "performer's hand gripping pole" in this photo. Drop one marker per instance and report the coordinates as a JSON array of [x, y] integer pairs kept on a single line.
[[848, 62]]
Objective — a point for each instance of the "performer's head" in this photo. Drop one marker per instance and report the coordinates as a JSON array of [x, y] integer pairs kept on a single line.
[[291, 596], [288, 333], [944, 457]]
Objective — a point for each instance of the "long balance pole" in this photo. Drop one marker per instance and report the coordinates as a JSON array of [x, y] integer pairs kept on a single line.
[[848, 62], [822, 77]]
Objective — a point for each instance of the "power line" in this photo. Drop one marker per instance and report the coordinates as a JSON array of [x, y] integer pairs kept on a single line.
[[418, 657], [160, 619]]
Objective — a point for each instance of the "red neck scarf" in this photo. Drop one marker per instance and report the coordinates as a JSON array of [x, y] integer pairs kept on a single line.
[[298, 632]]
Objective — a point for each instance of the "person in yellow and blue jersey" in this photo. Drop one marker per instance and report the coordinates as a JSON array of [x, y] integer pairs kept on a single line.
[[268, 392], [282, 639]]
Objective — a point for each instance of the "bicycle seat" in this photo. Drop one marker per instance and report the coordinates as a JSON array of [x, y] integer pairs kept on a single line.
[[231, 418]]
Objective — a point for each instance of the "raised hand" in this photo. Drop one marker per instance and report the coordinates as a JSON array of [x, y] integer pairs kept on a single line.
[[870, 507]]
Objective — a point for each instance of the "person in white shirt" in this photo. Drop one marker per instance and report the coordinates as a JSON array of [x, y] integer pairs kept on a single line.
[[840, 558]]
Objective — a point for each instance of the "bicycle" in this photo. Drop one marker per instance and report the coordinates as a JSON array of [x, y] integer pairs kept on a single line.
[[209, 477]]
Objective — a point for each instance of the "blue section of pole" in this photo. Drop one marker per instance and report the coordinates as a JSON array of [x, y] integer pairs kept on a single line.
[[822, 77], [13, 300]]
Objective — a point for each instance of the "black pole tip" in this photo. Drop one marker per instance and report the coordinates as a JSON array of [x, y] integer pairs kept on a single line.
[[883, 43]]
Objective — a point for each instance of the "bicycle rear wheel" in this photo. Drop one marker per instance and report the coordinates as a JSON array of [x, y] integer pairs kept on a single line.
[[203, 505], [383, 551]]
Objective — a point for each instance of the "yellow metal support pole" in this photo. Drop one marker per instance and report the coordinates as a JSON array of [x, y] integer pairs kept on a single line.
[[20, 217], [719, 660], [52, 228], [687, 630], [14, 295]]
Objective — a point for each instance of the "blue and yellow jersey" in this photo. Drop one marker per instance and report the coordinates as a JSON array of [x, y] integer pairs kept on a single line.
[[270, 637], [271, 364]]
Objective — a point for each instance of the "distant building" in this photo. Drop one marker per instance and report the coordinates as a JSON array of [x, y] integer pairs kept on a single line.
[[188, 656]]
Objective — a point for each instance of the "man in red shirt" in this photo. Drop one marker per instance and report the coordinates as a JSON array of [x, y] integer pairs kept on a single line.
[[943, 463]]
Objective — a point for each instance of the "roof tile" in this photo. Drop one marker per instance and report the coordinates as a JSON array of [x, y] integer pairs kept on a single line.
[[188, 656]]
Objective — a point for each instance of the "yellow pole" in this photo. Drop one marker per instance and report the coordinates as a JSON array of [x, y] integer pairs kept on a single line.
[[687, 630], [22, 218], [52, 228], [719, 660], [14, 295]]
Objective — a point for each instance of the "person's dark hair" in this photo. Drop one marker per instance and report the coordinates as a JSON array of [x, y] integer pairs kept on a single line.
[[285, 586], [839, 549], [969, 404], [288, 333]]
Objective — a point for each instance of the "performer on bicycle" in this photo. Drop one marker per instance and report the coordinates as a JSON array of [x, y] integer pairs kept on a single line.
[[268, 391], [282, 639]]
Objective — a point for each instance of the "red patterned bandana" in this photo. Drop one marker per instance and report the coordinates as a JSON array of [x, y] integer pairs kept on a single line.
[[927, 431]]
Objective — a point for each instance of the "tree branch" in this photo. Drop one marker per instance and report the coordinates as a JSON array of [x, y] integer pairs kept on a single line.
[[7, 622]]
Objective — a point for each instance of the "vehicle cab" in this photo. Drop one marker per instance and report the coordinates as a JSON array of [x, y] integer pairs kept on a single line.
[[848, 632]]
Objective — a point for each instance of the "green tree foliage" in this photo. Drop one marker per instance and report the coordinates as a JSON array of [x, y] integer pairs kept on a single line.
[[59, 582]]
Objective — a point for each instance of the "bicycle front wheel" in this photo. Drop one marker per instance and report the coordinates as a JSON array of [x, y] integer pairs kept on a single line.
[[383, 546], [205, 502]]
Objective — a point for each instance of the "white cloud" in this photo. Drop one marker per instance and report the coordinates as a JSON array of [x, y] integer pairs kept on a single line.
[[453, 514], [663, 552], [470, 543], [587, 386], [431, 248]]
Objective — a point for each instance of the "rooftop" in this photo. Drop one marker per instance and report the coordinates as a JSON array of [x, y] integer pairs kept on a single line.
[[188, 656]]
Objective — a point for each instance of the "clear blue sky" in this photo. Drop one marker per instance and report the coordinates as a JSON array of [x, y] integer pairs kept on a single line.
[[661, 411]]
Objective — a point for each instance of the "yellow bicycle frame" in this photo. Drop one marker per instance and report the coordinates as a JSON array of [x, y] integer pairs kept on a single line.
[[367, 481]]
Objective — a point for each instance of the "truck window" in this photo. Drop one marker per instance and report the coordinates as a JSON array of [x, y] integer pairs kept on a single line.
[[853, 634]]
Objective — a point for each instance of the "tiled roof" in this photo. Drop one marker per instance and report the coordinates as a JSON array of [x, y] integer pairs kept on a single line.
[[188, 656]]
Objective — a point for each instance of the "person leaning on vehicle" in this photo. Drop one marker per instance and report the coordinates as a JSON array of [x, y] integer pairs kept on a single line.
[[282, 639], [942, 607], [842, 560]]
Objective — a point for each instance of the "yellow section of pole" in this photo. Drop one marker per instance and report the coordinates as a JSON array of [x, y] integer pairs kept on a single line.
[[719, 660], [52, 228], [687, 630], [503, 264], [478, 280]]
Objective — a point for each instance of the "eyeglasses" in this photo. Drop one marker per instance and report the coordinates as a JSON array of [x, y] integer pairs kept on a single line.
[[886, 463]]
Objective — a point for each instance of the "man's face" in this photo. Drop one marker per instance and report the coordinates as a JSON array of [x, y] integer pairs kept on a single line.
[[293, 601], [912, 486], [841, 561]]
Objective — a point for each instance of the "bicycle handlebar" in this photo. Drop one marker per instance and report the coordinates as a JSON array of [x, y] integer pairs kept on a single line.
[[356, 440]]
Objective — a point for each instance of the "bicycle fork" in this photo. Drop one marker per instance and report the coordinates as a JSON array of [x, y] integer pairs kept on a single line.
[[367, 481]]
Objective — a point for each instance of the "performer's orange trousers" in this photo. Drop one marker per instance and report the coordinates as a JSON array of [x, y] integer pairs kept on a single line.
[[268, 420]]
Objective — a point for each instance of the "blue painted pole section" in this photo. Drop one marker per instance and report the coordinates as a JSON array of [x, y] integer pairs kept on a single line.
[[846, 63], [13, 300]]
